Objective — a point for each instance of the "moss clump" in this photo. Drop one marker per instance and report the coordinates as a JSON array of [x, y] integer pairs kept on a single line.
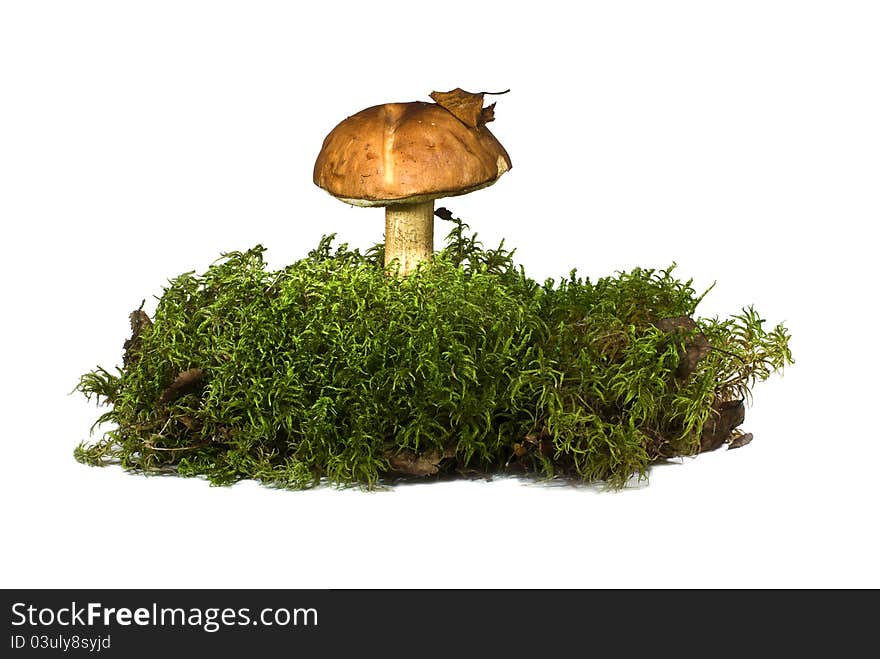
[[332, 369]]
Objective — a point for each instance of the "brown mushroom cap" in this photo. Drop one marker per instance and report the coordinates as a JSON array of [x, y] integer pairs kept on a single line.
[[407, 153]]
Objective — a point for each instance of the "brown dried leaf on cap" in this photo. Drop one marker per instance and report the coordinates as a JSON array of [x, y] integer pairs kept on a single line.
[[464, 105], [467, 107], [487, 114]]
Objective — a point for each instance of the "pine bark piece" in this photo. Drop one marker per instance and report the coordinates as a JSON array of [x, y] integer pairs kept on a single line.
[[717, 430], [693, 349], [186, 382], [139, 321]]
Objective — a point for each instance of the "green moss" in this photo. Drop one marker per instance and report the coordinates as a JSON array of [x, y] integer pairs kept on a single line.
[[331, 370]]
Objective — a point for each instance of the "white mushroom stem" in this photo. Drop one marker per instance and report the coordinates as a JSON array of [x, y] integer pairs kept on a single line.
[[409, 234]]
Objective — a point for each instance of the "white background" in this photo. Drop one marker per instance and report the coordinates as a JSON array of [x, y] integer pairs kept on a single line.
[[738, 139]]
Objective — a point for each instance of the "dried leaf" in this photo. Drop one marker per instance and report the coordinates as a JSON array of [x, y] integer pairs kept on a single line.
[[740, 440], [487, 114], [414, 464], [186, 382], [466, 107], [444, 214], [189, 422]]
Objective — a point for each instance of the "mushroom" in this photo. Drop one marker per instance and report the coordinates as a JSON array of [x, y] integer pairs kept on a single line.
[[403, 156]]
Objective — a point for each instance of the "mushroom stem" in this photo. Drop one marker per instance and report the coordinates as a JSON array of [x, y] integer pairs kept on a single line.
[[409, 234]]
